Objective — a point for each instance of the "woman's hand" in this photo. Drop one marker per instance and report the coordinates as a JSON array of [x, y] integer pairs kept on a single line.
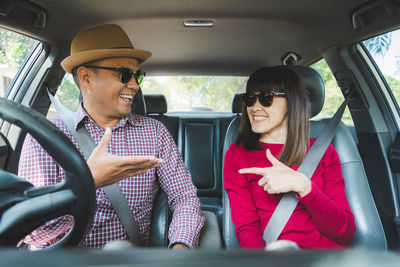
[[280, 178]]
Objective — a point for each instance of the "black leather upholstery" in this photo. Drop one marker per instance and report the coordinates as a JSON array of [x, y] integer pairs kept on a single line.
[[314, 85], [370, 233], [156, 106], [200, 141], [237, 103], [160, 218], [138, 105]]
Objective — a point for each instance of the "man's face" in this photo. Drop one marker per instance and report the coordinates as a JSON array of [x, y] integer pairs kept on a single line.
[[106, 95]]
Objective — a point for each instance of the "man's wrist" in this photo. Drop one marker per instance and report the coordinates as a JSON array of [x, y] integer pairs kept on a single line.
[[179, 246]]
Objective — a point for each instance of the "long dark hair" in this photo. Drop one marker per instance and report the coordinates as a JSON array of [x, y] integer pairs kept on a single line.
[[280, 79]]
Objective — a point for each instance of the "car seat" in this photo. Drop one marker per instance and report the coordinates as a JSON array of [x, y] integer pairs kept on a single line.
[[369, 233]]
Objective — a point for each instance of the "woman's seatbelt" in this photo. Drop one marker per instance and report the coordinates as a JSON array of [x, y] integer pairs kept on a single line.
[[288, 202], [113, 192]]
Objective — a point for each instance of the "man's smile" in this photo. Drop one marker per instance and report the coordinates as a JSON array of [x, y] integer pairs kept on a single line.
[[126, 97]]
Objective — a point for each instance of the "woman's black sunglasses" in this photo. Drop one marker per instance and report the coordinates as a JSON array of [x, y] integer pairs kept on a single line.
[[125, 73], [249, 99]]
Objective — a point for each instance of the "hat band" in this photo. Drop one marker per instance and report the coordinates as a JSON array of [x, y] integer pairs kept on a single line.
[[122, 47]]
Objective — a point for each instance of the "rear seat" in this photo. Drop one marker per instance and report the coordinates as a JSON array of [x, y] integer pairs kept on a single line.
[[156, 107], [200, 138]]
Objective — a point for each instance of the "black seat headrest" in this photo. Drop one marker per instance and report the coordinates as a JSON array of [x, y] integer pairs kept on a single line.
[[138, 106], [237, 103], [155, 103], [312, 82]]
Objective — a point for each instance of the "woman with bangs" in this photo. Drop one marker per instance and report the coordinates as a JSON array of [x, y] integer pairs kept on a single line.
[[261, 166]]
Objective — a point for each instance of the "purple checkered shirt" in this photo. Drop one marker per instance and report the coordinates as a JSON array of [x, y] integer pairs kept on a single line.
[[133, 135]]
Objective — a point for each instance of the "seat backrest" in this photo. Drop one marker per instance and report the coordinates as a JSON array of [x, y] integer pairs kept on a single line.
[[237, 104], [370, 233], [160, 219], [155, 104], [199, 137], [200, 141], [138, 105], [228, 228], [156, 107]]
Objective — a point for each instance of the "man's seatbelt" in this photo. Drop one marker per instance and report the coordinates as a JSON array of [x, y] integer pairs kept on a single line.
[[113, 192], [288, 202]]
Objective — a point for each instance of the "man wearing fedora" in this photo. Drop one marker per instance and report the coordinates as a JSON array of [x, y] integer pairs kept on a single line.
[[135, 151]]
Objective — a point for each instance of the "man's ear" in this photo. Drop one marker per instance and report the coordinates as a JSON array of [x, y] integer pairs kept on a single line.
[[84, 77]]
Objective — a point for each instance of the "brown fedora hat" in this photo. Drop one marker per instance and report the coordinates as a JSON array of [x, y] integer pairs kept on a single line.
[[101, 42]]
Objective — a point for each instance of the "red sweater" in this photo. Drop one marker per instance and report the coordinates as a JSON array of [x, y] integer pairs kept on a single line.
[[321, 220]]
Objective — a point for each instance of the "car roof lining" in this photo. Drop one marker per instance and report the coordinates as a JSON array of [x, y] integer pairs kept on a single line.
[[246, 35]]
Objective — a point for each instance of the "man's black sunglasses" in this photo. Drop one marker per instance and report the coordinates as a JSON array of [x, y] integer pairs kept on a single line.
[[249, 99], [125, 73]]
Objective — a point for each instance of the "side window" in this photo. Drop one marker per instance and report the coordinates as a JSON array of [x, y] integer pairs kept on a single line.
[[385, 52], [67, 94], [333, 95], [14, 49]]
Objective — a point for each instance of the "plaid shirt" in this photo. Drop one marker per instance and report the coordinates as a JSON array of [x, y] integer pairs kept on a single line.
[[133, 135]]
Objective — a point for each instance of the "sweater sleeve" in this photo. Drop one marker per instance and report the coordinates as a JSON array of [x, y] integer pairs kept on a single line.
[[328, 206], [243, 211]]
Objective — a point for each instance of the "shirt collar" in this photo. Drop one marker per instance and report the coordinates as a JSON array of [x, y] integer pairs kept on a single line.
[[81, 115]]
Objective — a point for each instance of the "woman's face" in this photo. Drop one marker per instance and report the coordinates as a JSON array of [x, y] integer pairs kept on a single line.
[[270, 122]]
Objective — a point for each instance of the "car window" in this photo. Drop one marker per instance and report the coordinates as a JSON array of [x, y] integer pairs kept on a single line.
[[385, 52], [14, 49], [186, 93], [67, 94], [191, 93], [211, 93], [183, 93], [333, 95]]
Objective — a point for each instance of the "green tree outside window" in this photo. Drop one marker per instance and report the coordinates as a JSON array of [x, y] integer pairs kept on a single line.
[[14, 48], [333, 95]]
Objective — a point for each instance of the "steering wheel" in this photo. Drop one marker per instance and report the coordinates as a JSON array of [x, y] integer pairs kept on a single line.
[[23, 207]]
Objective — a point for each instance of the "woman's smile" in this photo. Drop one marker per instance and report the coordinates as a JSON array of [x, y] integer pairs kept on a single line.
[[259, 118]]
